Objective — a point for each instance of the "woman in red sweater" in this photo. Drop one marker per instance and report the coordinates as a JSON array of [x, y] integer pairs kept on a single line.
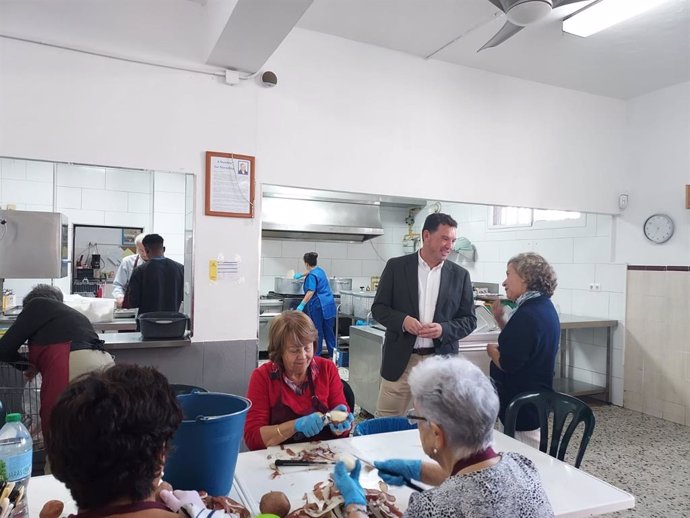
[[291, 393]]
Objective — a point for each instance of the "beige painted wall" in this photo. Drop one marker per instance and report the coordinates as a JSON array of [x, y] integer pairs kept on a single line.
[[657, 344]]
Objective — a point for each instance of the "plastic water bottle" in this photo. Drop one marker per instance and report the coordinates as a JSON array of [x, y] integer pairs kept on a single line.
[[16, 458]]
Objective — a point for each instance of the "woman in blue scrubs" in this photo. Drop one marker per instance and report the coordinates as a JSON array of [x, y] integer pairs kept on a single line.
[[319, 302]]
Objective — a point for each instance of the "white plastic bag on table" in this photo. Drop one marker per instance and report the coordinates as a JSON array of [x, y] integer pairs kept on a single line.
[[95, 309]]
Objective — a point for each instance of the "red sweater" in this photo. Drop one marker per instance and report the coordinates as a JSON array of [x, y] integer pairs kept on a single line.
[[264, 392]]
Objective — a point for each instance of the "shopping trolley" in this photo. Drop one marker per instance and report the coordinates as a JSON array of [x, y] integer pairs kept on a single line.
[[22, 396]]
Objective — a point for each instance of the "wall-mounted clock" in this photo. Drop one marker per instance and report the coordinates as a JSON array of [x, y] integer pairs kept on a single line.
[[658, 228]]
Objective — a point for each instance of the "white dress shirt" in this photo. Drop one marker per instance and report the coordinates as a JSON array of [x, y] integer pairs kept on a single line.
[[428, 283], [124, 273]]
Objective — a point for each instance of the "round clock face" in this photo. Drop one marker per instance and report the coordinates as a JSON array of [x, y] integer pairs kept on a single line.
[[658, 228]]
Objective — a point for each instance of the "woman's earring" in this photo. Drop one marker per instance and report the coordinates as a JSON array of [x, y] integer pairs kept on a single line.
[[434, 451]]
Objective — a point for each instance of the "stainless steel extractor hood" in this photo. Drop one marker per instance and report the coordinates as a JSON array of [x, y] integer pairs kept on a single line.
[[319, 217]]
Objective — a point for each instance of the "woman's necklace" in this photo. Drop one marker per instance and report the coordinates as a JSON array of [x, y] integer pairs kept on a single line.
[[478, 457]]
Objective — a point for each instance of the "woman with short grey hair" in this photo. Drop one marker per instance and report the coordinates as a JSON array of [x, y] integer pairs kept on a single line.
[[524, 358], [456, 408]]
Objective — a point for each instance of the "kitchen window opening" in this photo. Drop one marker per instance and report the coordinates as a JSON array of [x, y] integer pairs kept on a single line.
[[507, 218]]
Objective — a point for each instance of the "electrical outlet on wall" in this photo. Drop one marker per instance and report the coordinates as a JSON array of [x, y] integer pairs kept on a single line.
[[594, 286]]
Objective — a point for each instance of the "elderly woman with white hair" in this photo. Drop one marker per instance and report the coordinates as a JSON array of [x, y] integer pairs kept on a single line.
[[456, 406]]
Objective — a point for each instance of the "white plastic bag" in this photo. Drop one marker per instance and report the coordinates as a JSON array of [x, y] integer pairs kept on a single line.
[[95, 309]]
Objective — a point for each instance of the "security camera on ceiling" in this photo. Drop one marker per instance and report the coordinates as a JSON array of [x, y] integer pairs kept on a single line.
[[269, 79]]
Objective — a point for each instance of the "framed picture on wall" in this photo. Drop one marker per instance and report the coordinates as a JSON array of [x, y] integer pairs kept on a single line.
[[229, 185], [129, 234]]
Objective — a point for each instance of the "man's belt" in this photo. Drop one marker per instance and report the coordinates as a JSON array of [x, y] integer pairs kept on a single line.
[[424, 351]]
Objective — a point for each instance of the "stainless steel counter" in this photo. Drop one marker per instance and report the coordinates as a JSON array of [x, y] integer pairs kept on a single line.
[[119, 341], [122, 341], [119, 324], [579, 322], [366, 344]]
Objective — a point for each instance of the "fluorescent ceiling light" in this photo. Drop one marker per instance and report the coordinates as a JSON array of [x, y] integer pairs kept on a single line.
[[605, 13]]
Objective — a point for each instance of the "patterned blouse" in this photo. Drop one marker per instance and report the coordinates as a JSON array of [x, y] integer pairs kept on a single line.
[[508, 489]]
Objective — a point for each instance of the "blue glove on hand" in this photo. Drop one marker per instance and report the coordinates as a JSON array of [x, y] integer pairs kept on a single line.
[[348, 484], [297, 275], [300, 307], [397, 471], [309, 425], [340, 428]]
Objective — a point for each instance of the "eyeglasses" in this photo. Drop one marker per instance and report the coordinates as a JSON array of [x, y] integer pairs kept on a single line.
[[412, 418]]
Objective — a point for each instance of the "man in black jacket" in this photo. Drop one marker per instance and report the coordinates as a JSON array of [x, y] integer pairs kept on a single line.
[[426, 304], [157, 285]]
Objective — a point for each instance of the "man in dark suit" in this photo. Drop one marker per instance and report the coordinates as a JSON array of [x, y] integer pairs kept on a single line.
[[426, 304]]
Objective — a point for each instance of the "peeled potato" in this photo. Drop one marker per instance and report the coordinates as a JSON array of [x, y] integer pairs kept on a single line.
[[348, 460], [52, 509], [338, 416], [275, 502]]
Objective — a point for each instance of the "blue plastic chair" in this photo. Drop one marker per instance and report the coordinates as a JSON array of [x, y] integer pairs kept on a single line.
[[383, 425]]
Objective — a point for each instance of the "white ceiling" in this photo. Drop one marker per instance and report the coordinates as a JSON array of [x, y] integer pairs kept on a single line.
[[638, 56]]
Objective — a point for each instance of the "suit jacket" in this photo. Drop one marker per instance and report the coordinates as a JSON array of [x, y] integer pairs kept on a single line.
[[398, 296]]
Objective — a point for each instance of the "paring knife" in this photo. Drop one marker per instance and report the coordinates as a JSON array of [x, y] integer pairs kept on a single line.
[[291, 462]]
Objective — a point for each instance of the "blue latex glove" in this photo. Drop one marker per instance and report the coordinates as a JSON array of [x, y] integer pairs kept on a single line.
[[397, 471], [348, 484], [345, 425], [309, 425], [297, 275], [300, 307]]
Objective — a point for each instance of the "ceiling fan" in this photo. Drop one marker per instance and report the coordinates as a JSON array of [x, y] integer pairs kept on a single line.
[[521, 13]]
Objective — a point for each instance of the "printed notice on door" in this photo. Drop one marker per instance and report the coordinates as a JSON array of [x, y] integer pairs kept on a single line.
[[229, 185]]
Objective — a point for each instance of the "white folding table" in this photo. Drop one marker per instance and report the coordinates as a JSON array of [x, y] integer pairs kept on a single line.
[[573, 493], [46, 487]]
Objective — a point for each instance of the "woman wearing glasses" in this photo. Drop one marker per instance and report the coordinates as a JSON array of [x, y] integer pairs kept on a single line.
[[291, 393], [456, 406]]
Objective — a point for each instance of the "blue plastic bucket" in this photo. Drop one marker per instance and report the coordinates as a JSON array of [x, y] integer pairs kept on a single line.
[[204, 448]]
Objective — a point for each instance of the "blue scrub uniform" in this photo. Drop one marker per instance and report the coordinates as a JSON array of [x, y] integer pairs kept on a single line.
[[321, 308]]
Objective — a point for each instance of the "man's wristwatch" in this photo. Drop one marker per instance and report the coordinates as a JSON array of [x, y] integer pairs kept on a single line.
[[355, 508]]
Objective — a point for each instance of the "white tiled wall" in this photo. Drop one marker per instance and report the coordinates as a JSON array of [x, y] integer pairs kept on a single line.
[[169, 212], [27, 185], [96, 196]]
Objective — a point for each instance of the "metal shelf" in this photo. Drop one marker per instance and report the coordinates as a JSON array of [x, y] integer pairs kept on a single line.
[[579, 388]]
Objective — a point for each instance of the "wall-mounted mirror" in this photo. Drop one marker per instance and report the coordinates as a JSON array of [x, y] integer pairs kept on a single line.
[[105, 208]]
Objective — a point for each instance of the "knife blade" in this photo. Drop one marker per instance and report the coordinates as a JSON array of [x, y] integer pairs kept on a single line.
[[294, 462], [407, 481]]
